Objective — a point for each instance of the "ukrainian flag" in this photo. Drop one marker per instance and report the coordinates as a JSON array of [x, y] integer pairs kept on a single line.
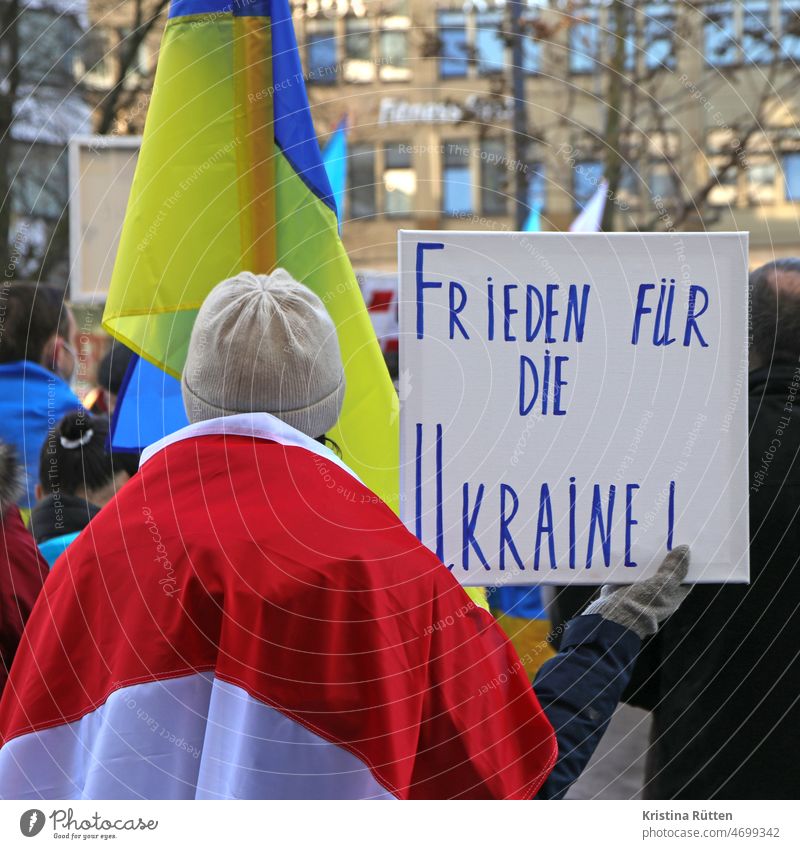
[[230, 178]]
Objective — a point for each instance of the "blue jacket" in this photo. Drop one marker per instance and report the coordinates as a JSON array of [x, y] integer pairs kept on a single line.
[[52, 549], [579, 689], [32, 401]]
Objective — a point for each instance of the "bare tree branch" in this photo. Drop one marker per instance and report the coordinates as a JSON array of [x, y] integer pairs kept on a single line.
[[143, 24]]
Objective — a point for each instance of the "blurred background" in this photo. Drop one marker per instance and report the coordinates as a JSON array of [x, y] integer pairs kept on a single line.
[[466, 115]]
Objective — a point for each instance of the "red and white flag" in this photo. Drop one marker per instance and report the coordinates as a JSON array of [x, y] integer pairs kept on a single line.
[[246, 619]]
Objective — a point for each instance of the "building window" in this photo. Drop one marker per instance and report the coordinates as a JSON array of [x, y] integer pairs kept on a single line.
[[456, 179], [586, 177], [140, 65], [531, 45], [761, 178], [393, 52], [790, 29], [321, 52], [361, 181], [48, 42], [584, 43], [399, 180], [454, 58], [725, 190], [495, 177], [661, 182], [757, 40], [629, 188], [720, 35], [359, 66], [490, 45], [659, 27], [531, 56], [791, 176], [93, 66]]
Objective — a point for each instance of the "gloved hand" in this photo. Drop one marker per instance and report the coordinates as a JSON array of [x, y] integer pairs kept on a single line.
[[641, 607]]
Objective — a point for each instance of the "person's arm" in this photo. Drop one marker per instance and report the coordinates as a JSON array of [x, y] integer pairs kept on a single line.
[[580, 687], [22, 574]]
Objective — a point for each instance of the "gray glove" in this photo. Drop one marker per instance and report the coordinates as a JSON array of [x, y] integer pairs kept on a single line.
[[641, 607]]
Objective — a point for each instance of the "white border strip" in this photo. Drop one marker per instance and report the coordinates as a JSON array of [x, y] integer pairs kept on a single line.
[[256, 425]]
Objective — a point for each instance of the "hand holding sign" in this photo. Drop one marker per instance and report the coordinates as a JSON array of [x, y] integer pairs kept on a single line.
[[643, 606], [575, 399]]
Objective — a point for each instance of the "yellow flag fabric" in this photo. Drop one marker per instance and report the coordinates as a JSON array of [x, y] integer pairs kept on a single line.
[[230, 178]]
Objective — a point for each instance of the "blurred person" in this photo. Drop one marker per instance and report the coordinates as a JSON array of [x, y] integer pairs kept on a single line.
[[38, 359], [22, 570], [246, 619], [722, 678], [77, 476], [110, 375]]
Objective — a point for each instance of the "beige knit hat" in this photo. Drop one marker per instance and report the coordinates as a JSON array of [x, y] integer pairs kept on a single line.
[[264, 343]]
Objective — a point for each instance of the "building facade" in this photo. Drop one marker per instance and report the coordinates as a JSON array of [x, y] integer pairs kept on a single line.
[[37, 89], [704, 94], [706, 134]]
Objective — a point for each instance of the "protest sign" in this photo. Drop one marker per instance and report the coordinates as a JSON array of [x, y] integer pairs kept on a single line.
[[575, 405]]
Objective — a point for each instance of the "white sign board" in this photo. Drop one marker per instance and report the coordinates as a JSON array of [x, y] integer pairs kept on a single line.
[[575, 404]]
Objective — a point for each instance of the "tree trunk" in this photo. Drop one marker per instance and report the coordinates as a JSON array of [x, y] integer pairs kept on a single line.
[[127, 56], [619, 16], [8, 95]]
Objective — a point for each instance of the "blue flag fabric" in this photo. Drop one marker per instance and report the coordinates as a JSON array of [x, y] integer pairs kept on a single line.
[[149, 407], [334, 157], [533, 221], [524, 602]]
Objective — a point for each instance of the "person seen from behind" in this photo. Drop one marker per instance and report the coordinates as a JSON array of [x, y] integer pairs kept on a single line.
[[38, 359], [77, 476], [110, 376], [22, 569], [250, 594]]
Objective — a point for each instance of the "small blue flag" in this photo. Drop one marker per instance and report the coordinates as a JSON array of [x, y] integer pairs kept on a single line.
[[334, 157], [149, 407]]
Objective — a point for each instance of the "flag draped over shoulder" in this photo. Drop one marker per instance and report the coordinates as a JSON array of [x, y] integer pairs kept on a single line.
[[219, 633], [230, 178]]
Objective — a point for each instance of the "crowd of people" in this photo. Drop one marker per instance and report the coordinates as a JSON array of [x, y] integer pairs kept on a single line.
[[211, 621]]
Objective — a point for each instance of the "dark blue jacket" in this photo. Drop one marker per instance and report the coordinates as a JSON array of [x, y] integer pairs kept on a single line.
[[579, 690]]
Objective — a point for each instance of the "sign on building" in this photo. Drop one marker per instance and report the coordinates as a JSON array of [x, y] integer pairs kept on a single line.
[[575, 404], [100, 175]]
